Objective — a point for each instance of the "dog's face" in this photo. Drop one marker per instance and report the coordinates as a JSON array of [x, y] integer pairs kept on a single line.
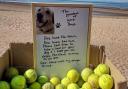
[[46, 19], [42, 11]]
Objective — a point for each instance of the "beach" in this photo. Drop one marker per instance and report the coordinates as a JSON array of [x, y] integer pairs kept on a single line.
[[110, 31]]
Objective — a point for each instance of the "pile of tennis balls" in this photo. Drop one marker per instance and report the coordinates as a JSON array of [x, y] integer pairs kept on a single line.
[[88, 78]]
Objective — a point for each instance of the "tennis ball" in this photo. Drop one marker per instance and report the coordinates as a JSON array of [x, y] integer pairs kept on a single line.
[[60, 86], [73, 75], [73, 86], [18, 82], [35, 85], [48, 85], [11, 72], [26, 86], [86, 86], [93, 80], [4, 85], [30, 75], [65, 81], [80, 82], [101, 69], [106, 81], [85, 73], [42, 79], [55, 80]]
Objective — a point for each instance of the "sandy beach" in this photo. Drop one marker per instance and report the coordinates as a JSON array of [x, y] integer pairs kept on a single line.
[[110, 31]]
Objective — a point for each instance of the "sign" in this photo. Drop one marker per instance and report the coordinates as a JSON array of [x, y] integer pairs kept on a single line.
[[61, 37]]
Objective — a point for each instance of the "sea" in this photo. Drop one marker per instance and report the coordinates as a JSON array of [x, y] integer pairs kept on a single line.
[[121, 4], [101, 7]]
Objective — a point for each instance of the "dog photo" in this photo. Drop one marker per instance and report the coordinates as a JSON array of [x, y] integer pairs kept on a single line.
[[44, 21]]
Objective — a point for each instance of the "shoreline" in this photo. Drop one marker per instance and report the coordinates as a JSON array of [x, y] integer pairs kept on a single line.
[[110, 11], [97, 11]]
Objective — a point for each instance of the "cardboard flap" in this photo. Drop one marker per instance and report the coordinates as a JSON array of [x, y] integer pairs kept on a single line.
[[4, 62], [97, 55], [21, 55], [119, 80]]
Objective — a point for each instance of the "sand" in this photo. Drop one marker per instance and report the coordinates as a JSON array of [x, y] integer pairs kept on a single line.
[[110, 31]]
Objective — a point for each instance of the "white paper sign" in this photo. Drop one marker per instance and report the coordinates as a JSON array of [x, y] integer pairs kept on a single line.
[[61, 38]]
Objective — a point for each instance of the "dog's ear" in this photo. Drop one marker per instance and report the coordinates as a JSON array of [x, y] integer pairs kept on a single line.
[[53, 18], [48, 12], [39, 10]]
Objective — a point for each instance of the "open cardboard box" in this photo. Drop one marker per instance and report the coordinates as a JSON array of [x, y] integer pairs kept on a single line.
[[20, 55]]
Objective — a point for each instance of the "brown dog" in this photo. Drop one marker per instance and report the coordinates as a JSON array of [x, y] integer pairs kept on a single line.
[[45, 20]]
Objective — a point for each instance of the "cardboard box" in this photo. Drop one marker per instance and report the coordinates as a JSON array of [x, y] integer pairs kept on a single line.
[[20, 55]]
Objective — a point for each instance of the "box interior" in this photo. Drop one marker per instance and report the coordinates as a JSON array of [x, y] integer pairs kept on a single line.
[[20, 55]]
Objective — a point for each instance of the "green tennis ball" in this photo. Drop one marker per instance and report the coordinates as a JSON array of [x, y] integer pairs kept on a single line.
[[42, 79], [55, 80], [86, 72], [65, 81], [35, 85], [93, 80], [11, 72], [73, 86], [86, 86], [106, 81], [4, 85], [48, 85], [30, 75], [101, 69], [26, 86], [60, 86], [80, 82], [73, 75], [18, 82]]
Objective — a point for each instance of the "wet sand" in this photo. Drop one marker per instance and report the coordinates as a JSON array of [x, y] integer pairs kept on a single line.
[[110, 31]]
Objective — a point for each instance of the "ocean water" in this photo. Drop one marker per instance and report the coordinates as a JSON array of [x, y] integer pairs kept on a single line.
[[122, 4]]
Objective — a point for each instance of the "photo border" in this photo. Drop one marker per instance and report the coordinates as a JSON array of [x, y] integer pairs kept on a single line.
[[89, 6]]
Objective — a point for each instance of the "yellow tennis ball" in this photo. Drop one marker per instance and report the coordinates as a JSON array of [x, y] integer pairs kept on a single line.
[[30, 75], [65, 81], [86, 86], [42, 79], [11, 72], [60, 86], [18, 82], [101, 69], [73, 75], [55, 80], [93, 79], [106, 81], [4, 85], [73, 86], [85, 73], [35, 85], [48, 85]]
